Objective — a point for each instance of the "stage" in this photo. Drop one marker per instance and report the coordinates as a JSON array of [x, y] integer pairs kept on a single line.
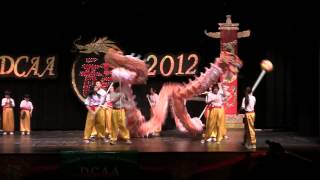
[[54, 154]]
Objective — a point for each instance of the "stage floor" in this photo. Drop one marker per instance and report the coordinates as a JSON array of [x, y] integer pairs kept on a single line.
[[61, 154], [170, 141]]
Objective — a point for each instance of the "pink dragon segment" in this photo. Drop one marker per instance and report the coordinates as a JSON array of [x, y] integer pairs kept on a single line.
[[130, 70]]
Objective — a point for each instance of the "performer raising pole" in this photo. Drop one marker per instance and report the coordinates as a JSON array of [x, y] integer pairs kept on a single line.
[[216, 118], [248, 104]]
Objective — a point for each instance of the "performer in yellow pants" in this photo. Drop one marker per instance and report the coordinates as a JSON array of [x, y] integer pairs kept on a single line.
[[7, 104], [213, 136], [102, 93], [248, 103], [108, 115], [118, 117], [26, 109], [118, 125], [108, 111], [250, 134], [95, 116], [214, 126], [216, 118]]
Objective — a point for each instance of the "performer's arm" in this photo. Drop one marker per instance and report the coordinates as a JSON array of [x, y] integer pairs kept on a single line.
[[87, 103], [102, 100], [21, 104], [209, 100], [31, 108], [3, 102], [12, 102], [243, 104]]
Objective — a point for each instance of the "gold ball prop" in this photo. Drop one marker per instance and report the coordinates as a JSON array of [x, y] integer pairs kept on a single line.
[[266, 65]]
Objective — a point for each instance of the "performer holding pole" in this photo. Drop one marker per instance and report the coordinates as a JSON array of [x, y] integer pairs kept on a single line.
[[26, 109], [118, 117], [103, 95], [94, 116], [248, 104], [7, 104], [108, 110], [216, 116], [206, 111]]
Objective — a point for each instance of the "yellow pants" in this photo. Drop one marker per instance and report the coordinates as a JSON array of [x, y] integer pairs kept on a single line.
[[215, 124], [95, 120], [118, 123], [214, 131], [25, 122], [94, 131], [7, 120], [249, 131], [106, 113]]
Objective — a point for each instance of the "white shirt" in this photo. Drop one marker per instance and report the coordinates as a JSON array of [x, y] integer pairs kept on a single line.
[[26, 105], [217, 99], [6, 102], [108, 102], [103, 94], [95, 100], [252, 103]]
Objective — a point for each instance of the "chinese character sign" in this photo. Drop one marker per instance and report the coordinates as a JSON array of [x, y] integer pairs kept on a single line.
[[86, 70]]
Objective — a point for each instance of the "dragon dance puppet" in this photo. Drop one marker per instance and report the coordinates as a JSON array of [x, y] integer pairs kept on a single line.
[[130, 70]]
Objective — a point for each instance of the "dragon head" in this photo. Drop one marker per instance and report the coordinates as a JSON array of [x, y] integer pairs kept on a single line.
[[115, 57], [102, 45], [229, 63]]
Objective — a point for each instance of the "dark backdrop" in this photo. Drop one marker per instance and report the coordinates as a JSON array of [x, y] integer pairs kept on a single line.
[[287, 34]]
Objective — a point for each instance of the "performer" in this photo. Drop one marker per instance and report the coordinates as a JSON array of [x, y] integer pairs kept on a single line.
[[118, 117], [103, 94], [225, 96], [206, 115], [216, 118], [108, 111], [95, 116], [153, 99], [26, 109], [248, 103], [7, 104]]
